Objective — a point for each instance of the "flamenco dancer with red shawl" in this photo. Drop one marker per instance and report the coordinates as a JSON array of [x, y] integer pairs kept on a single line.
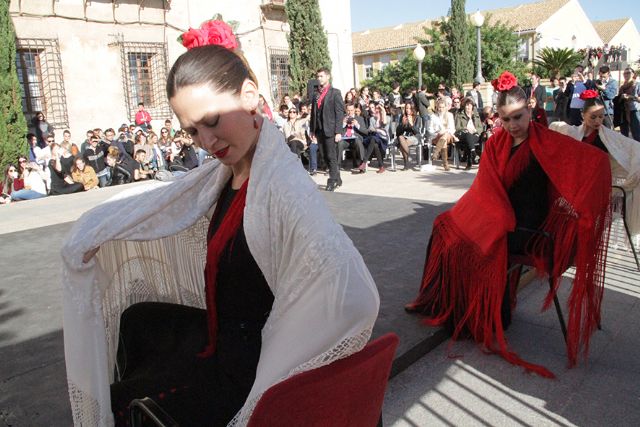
[[533, 178]]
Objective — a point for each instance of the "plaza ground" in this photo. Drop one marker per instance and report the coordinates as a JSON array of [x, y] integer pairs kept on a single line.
[[435, 382]]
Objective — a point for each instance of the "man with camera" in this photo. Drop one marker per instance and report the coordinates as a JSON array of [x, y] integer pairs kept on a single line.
[[354, 129], [608, 89]]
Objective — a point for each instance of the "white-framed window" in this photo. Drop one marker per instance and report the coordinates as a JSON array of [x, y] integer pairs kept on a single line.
[[524, 45], [368, 68], [385, 61]]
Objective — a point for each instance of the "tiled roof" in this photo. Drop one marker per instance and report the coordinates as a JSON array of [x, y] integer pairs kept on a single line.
[[523, 17], [608, 29], [398, 37], [528, 16]]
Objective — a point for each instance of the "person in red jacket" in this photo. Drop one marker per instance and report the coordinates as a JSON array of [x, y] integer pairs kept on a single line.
[[143, 118]]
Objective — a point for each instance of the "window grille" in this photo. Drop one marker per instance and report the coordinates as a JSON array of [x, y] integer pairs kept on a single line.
[[279, 60], [41, 81], [144, 75]]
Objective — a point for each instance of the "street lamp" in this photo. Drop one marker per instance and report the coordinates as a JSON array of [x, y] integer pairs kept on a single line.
[[418, 54], [477, 20]]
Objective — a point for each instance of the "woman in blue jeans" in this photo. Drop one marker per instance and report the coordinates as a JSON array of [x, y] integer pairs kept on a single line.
[[630, 96]]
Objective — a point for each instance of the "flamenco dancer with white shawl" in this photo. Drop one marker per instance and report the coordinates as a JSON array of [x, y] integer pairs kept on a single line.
[[284, 290], [530, 178], [624, 154]]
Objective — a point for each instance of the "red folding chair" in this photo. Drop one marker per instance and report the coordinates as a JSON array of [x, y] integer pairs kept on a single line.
[[348, 392]]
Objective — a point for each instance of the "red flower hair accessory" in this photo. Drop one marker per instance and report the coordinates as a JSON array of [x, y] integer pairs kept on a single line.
[[505, 82], [213, 32], [589, 94]]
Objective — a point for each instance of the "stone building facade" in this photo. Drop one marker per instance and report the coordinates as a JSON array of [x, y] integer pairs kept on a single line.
[[87, 63]]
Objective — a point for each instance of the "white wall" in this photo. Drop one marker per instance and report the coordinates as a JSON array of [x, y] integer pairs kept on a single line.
[[336, 18], [628, 36], [570, 20]]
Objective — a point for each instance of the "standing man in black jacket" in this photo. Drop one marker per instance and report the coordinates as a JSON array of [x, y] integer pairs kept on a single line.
[[326, 124]]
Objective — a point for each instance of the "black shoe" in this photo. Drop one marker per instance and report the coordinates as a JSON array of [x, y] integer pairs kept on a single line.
[[339, 183], [313, 172], [331, 185]]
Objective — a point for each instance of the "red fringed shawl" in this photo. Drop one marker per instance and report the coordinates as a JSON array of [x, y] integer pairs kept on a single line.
[[229, 226], [464, 275]]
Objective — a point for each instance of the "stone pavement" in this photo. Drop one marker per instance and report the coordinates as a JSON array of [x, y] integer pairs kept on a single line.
[[388, 216]]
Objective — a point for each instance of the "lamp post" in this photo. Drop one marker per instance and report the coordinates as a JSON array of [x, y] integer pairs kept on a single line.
[[477, 20], [418, 54]]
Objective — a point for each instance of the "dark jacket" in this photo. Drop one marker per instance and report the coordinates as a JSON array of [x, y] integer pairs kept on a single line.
[[327, 121], [462, 119], [540, 94], [361, 131], [480, 105], [423, 104]]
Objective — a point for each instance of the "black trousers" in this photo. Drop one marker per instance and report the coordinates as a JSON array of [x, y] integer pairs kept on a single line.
[[358, 150], [468, 143], [373, 147], [76, 187], [329, 150]]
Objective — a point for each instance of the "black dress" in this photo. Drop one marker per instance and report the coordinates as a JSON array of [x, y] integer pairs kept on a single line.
[[58, 184], [529, 197], [159, 343]]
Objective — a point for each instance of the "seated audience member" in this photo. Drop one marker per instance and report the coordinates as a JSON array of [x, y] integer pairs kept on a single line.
[[141, 142], [624, 153], [468, 129], [187, 154], [165, 137], [538, 114], [522, 183], [408, 132], [66, 137], [443, 130], [377, 139], [281, 118], [84, 174], [61, 182], [86, 142], [66, 159], [122, 167], [141, 171], [33, 179], [263, 108], [294, 132], [11, 183], [94, 156], [109, 140], [168, 125], [354, 130], [490, 122], [158, 156], [456, 105]]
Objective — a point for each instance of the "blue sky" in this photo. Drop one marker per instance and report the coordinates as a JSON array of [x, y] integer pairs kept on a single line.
[[382, 13]]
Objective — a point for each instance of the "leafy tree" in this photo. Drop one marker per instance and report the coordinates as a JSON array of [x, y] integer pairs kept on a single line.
[[558, 62], [404, 72], [308, 45], [13, 125], [499, 49], [460, 48]]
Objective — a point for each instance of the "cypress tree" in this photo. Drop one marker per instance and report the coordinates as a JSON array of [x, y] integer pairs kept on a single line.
[[308, 45], [13, 125], [460, 45]]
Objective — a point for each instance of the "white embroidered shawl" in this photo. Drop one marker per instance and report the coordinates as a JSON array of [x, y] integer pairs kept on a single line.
[[153, 248], [625, 165]]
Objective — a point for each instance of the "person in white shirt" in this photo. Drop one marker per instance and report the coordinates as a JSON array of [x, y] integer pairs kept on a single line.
[[442, 126]]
